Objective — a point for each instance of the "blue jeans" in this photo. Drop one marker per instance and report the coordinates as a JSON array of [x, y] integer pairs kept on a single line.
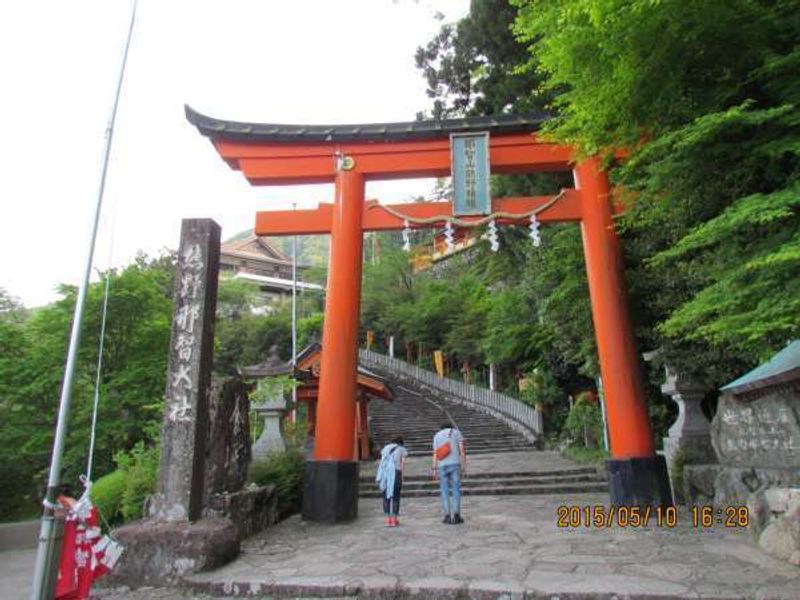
[[391, 506], [450, 483]]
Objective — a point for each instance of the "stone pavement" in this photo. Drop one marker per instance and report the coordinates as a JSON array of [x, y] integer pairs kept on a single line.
[[16, 573], [526, 460], [510, 547]]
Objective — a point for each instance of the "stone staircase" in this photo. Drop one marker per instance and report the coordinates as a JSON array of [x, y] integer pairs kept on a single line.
[[417, 418], [572, 481]]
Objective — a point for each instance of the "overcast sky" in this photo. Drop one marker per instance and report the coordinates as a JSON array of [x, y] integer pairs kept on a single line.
[[309, 61]]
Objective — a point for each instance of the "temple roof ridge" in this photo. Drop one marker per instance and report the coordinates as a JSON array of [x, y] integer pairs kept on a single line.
[[407, 130]]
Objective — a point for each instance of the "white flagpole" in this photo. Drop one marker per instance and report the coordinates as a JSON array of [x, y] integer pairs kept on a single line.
[[47, 553]]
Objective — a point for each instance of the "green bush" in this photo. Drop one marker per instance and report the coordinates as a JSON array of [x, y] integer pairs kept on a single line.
[[683, 457], [284, 470], [295, 434], [140, 467], [585, 423], [107, 494], [543, 391], [586, 455]]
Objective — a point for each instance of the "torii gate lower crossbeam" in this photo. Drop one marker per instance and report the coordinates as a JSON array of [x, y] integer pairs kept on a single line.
[[349, 156]]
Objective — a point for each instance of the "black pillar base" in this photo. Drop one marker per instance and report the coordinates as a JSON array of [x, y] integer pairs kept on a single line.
[[330, 491], [639, 481]]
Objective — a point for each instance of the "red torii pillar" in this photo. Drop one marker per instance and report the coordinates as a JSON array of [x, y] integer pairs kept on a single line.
[[337, 383], [349, 155]]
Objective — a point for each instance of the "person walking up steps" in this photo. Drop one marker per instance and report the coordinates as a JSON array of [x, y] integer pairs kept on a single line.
[[390, 478], [449, 464]]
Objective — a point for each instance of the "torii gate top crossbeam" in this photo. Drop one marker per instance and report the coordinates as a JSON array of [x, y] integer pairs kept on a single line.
[[270, 154]]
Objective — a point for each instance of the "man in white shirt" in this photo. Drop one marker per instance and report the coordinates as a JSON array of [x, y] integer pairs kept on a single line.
[[448, 467]]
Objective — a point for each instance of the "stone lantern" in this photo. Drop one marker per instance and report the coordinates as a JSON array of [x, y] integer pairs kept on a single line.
[[269, 410], [691, 430]]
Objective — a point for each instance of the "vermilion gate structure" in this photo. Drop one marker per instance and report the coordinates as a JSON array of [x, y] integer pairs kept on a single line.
[[351, 155]]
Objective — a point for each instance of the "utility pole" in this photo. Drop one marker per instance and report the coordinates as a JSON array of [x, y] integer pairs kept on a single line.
[[294, 318]]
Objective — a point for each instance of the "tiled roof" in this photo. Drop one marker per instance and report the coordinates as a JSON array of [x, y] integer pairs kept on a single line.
[[256, 248], [781, 368], [270, 132]]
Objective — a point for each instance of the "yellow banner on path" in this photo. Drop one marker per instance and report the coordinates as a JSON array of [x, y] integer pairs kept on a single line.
[[438, 361], [370, 339]]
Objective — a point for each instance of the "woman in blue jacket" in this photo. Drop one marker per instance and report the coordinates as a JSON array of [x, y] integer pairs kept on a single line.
[[390, 478]]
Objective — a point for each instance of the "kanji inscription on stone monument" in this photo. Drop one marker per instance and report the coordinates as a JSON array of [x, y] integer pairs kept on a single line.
[[179, 495]]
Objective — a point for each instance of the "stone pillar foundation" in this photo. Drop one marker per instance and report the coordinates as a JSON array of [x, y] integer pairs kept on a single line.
[[639, 481], [330, 491], [162, 553]]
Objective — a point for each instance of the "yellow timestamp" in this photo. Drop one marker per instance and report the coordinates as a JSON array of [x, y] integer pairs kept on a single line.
[[600, 516], [724, 516]]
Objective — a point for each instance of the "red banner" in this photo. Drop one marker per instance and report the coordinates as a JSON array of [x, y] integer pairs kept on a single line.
[[86, 553]]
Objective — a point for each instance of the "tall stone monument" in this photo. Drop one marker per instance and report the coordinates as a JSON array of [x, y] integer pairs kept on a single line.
[[183, 433], [174, 540]]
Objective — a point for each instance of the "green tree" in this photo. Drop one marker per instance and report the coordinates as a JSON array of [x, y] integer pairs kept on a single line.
[[131, 387], [466, 320], [11, 309], [473, 66], [387, 286], [627, 69], [705, 95]]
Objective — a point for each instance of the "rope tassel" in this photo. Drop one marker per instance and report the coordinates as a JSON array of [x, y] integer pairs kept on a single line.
[[534, 234], [448, 235], [493, 241]]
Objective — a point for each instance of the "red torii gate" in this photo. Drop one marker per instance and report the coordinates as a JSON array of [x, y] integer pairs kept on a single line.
[[350, 155]]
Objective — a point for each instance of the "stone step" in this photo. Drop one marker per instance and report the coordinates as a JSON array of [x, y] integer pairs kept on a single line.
[[412, 429], [417, 419], [514, 476], [467, 483], [492, 450], [472, 445], [419, 429], [553, 488], [431, 424], [470, 435], [472, 439], [425, 449]]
